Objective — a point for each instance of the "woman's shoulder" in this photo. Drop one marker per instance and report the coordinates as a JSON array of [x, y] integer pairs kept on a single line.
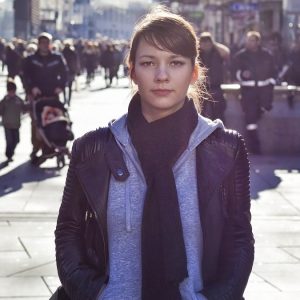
[[228, 138], [90, 143]]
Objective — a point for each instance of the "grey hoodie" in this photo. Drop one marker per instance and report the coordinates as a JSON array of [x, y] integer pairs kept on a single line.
[[124, 217]]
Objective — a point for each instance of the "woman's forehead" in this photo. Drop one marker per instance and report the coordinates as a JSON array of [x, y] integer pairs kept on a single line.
[[146, 48]]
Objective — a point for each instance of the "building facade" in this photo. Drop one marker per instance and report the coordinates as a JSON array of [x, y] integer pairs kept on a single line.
[[291, 24], [7, 19], [55, 16], [26, 18], [229, 20], [81, 24], [117, 22]]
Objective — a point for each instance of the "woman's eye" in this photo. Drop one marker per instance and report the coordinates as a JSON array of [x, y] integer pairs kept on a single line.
[[147, 63], [176, 63]]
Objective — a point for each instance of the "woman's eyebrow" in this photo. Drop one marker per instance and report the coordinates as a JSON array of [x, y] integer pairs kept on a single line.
[[176, 56], [153, 56], [147, 56]]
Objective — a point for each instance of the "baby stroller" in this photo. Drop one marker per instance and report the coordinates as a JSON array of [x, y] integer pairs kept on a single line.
[[54, 126]]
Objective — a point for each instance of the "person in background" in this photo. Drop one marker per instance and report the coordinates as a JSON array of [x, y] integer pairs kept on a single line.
[[72, 61], [90, 58], [2, 53], [79, 48], [280, 57], [293, 75], [44, 75], [11, 109], [213, 56], [156, 206], [13, 61], [254, 70], [108, 63]]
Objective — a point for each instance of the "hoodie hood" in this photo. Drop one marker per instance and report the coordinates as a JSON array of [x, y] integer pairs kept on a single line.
[[204, 128]]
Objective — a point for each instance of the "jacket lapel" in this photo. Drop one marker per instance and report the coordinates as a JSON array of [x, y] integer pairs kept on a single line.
[[94, 176]]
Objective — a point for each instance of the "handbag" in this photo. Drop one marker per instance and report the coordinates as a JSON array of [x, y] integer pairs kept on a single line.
[[60, 294]]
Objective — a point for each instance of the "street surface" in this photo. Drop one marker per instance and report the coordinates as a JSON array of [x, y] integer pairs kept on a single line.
[[30, 198]]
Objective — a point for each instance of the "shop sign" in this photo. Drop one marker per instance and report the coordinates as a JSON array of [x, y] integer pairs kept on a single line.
[[238, 7]]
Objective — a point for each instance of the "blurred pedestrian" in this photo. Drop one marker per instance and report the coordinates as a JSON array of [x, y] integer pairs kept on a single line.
[[293, 75], [79, 48], [72, 61], [117, 60], [108, 63], [2, 53], [11, 109], [44, 75], [213, 56], [13, 61], [157, 206], [254, 70], [90, 61], [280, 57], [20, 47]]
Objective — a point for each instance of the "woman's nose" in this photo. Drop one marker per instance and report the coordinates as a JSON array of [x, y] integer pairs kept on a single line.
[[161, 74]]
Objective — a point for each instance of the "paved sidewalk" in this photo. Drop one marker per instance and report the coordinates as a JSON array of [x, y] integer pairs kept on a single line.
[[30, 198], [275, 191]]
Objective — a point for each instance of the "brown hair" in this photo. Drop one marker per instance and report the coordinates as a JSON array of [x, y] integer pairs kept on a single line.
[[168, 31]]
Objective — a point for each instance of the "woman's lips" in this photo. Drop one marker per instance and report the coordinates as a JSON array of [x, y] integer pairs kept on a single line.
[[161, 92]]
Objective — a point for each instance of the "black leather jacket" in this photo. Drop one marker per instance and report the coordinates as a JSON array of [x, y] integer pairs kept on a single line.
[[223, 187]]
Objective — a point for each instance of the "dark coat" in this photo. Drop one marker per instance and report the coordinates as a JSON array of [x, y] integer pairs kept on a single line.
[[214, 63], [294, 70], [81, 232], [260, 64], [13, 62], [45, 72], [72, 61]]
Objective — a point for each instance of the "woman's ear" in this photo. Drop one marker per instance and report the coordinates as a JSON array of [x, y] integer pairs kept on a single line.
[[195, 74], [132, 73]]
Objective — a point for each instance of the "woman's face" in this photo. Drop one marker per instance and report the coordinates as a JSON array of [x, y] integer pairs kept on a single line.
[[163, 79]]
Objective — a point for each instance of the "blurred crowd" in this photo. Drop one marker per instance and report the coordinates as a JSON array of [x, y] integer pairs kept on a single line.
[[88, 56], [49, 67], [81, 57]]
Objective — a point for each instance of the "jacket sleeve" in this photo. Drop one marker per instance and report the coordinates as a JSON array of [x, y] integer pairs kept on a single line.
[[63, 70], [237, 243], [79, 280]]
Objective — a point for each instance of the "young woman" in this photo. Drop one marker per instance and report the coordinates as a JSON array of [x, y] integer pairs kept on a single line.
[[157, 205]]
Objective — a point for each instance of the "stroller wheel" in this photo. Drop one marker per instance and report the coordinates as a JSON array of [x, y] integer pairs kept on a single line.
[[60, 160]]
